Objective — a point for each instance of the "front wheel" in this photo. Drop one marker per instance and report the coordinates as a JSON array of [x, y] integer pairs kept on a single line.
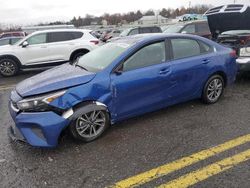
[[8, 67], [213, 89], [90, 125]]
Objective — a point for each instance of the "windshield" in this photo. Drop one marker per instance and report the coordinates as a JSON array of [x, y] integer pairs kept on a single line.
[[236, 32], [103, 56], [173, 29], [125, 33]]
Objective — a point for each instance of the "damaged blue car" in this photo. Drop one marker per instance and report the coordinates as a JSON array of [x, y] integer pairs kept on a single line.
[[121, 79]]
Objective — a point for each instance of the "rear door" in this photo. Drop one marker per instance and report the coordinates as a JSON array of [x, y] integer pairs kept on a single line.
[[143, 81], [189, 67], [60, 44]]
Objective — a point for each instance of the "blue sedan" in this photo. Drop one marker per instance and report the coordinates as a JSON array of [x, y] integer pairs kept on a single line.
[[122, 79]]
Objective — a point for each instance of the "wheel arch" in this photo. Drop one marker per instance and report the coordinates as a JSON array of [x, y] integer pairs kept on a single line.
[[86, 106], [85, 50], [222, 74], [13, 57]]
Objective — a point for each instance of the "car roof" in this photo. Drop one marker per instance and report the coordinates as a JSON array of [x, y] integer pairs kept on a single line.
[[15, 37], [190, 22], [63, 30], [135, 27], [152, 36]]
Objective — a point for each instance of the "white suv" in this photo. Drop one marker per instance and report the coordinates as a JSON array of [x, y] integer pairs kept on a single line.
[[45, 49]]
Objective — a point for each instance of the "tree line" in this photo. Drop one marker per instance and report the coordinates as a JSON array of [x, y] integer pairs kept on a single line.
[[118, 19]]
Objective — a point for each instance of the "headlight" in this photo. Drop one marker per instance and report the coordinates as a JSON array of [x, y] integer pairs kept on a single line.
[[39, 103]]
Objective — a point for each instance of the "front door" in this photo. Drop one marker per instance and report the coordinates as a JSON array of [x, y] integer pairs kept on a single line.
[[36, 52], [144, 78]]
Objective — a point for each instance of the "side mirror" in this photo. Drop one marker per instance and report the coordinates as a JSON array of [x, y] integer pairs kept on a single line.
[[118, 70], [184, 32], [25, 44]]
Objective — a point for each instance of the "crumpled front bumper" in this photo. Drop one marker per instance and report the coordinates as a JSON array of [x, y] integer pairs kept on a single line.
[[39, 129]]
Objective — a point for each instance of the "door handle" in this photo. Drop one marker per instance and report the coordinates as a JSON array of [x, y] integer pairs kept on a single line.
[[206, 61], [164, 71]]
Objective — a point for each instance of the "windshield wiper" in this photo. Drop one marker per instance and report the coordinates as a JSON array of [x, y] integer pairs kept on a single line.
[[77, 65]]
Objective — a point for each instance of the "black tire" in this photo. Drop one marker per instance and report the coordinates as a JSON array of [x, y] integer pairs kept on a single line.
[[8, 67], [76, 56], [210, 94], [79, 125]]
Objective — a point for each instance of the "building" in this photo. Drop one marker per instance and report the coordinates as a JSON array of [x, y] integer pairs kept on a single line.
[[149, 20]]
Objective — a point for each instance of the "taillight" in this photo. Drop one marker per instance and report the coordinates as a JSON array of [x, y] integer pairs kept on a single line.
[[233, 54], [95, 41], [245, 40]]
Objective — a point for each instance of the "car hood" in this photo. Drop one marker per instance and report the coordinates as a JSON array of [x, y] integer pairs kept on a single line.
[[6, 48], [60, 77], [222, 22]]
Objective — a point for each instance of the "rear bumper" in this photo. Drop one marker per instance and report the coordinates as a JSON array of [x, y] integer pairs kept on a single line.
[[243, 64]]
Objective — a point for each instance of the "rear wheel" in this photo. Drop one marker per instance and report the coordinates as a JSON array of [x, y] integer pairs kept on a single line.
[[213, 89], [90, 125], [8, 67]]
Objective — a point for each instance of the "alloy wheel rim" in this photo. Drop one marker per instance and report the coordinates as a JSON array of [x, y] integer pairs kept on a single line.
[[7, 68], [214, 89], [90, 124]]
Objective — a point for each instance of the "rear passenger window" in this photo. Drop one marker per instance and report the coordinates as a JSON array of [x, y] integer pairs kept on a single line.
[[145, 30], [203, 27], [64, 36], [189, 29], [4, 42], [183, 48], [205, 48], [133, 32], [76, 35], [156, 30]]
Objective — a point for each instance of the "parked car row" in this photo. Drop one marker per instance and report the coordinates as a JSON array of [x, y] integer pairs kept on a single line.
[[12, 34]]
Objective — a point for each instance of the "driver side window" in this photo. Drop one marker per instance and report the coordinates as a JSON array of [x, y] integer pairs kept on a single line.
[[37, 39], [150, 55]]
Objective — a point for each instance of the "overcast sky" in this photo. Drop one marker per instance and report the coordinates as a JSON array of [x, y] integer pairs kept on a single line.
[[24, 12]]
